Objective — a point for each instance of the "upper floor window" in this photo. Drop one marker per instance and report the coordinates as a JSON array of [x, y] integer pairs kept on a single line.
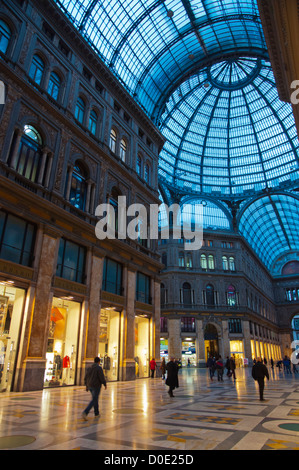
[[147, 173], [232, 265], [188, 325], [143, 288], [37, 69], [188, 261], [211, 262], [203, 261], [163, 294], [181, 260], [29, 156], [71, 261], [16, 239], [187, 294], [231, 296], [78, 187], [210, 295], [138, 165], [235, 325], [54, 85], [112, 277], [224, 263], [93, 122], [123, 150], [113, 138], [80, 110], [163, 325], [5, 35]]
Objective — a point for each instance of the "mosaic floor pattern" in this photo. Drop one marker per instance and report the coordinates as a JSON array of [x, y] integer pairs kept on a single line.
[[140, 415]]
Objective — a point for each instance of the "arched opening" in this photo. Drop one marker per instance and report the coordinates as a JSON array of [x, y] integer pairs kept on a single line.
[[211, 341]]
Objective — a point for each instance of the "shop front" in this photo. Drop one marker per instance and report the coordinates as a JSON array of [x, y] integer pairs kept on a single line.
[[188, 352], [62, 345], [142, 343], [11, 312], [164, 348], [237, 351], [109, 342]]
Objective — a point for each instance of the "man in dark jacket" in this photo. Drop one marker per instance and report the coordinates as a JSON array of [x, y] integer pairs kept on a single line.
[[259, 372], [172, 376], [94, 379]]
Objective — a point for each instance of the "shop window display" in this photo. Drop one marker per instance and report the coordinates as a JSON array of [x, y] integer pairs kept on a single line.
[[109, 342], [61, 352], [11, 309], [141, 346]]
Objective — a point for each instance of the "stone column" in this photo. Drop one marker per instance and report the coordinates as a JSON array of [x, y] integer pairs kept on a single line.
[[174, 338], [35, 361], [247, 342], [69, 182], [200, 346], [43, 165], [87, 203], [93, 313], [226, 343], [127, 363], [14, 157], [156, 323]]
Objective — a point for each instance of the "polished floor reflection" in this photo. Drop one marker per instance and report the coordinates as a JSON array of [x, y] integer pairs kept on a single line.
[[139, 415]]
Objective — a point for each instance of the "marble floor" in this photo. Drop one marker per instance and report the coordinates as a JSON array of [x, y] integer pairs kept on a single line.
[[140, 415]]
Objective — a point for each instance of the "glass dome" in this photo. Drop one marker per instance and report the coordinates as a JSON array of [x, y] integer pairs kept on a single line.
[[228, 133]]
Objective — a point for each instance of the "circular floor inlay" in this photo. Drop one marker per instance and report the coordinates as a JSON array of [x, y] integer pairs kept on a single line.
[[11, 442], [23, 398], [128, 411], [290, 426]]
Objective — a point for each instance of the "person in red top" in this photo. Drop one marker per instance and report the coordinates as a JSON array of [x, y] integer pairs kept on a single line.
[[153, 367]]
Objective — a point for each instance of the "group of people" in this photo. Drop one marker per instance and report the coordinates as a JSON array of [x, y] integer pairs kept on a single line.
[[95, 378], [217, 364]]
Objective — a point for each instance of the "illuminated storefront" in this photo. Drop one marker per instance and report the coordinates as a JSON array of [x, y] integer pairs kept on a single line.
[[237, 351], [142, 353], [188, 352], [61, 355], [11, 311], [109, 342], [164, 348]]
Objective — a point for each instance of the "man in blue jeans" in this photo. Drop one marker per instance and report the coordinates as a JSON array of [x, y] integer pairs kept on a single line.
[[94, 379]]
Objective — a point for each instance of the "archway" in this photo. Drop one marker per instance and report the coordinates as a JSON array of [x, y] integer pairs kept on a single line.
[[211, 341]]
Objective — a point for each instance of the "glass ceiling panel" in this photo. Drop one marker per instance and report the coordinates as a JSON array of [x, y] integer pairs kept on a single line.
[[155, 43], [270, 224]]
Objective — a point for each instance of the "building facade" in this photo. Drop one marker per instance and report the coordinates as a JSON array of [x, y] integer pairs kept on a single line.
[[71, 139], [221, 300]]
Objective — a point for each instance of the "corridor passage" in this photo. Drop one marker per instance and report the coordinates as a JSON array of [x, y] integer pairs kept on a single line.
[[140, 415]]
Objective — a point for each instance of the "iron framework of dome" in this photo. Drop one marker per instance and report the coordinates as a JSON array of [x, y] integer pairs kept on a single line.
[[200, 70]]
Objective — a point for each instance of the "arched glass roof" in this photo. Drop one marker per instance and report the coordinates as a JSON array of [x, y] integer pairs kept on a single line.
[[152, 45], [200, 70], [228, 133], [270, 224], [210, 217]]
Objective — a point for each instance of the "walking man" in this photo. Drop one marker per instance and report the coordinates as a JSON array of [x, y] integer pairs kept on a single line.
[[259, 372], [172, 376], [94, 379]]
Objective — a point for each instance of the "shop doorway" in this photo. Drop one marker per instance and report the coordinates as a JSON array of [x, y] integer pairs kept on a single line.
[[142, 352], [61, 352], [11, 310], [188, 353], [109, 342], [237, 351], [211, 341]]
